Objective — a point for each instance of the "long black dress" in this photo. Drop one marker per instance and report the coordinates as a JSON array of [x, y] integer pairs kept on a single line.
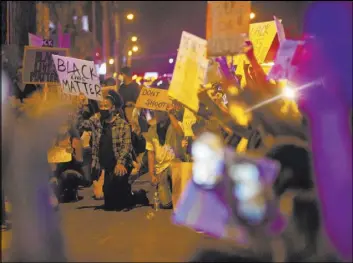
[[117, 190]]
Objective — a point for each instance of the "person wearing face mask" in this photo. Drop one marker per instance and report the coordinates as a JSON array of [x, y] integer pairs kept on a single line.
[[163, 143], [111, 153]]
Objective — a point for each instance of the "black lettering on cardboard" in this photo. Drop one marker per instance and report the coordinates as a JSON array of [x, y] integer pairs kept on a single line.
[[91, 89], [98, 90], [83, 70], [74, 69], [61, 65], [85, 85], [92, 73], [77, 85]]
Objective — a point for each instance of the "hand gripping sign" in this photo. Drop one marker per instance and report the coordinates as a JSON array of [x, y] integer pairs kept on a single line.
[[78, 76]]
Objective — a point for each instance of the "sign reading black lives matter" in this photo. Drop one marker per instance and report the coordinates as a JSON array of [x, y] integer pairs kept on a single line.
[[78, 76], [38, 65]]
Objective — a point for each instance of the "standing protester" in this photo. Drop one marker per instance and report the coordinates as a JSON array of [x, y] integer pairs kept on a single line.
[[111, 153], [163, 146], [129, 90]]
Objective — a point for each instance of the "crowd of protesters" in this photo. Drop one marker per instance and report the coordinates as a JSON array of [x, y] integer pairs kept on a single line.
[[112, 141]]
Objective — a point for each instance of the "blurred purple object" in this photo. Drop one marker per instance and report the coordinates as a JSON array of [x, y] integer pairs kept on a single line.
[[64, 39], [202, 210], [328, 107]]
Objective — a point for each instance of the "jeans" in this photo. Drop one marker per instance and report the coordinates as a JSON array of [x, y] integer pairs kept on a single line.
[[164, 188]]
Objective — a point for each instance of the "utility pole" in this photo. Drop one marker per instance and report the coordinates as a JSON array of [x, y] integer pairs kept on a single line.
[[117, 37], [106, 35], [94, 25]]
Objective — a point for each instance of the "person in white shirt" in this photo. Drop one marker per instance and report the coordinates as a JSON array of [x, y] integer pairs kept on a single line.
[[163, 143]]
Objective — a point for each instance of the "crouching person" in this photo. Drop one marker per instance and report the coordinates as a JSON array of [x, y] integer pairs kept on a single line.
[[66, 161], [163, 143]]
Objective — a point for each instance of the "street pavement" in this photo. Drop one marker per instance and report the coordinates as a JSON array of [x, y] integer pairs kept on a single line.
[[140, 235]]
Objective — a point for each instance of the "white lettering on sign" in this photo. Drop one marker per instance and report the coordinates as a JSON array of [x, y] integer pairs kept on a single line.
[[78, 76]]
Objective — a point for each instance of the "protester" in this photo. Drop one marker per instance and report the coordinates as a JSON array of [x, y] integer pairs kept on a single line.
[[69, 175], [163, 146], [111, 153], [129, 90]]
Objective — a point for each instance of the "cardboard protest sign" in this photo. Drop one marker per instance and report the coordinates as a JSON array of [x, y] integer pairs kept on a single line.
[[153, 99], [280, 30], [189, 71], [283, 60], [78, 76], [261, 35], [189, 119], [38, 65], [227, 26]]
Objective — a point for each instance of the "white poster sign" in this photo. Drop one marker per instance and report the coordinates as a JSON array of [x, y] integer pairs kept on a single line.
[[189, 71], [78, 76], [280, 30], [283, 60]]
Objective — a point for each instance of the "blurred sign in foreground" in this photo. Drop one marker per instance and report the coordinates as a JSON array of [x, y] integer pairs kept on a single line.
[[189, 71], [78, 76], [38, 65], [226, 27], [153, 99]]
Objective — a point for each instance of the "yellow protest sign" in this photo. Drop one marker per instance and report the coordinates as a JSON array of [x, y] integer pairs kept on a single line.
[[227, 26], [59, 155], [189, 71], [261, 35], [189, 119], [153, 99]]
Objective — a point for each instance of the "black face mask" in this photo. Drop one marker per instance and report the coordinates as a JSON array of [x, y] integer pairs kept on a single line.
[[105, 114], [86, 114]]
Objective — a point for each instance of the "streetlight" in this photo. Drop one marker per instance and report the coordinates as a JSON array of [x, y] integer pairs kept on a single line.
[[129, 53], [252, 15], [135, 48], [130, 16], [134, 39], [171, 60], [111, 61]]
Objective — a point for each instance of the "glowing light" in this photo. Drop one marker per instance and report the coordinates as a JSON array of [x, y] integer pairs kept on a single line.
[[115, 75], [252, 15], [269, 64], [171, 60], [289, 92], [103, 69], [111, 61], [134, 77], [129, 53], [135, 48], [159, 83], [134, 39], [263, 103], [130, 16], [97, 54]]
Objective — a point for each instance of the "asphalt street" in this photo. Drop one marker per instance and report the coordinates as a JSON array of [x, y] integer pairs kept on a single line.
[[140, 235]]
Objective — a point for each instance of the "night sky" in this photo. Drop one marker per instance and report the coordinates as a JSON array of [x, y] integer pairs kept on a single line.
[[159, 25]]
